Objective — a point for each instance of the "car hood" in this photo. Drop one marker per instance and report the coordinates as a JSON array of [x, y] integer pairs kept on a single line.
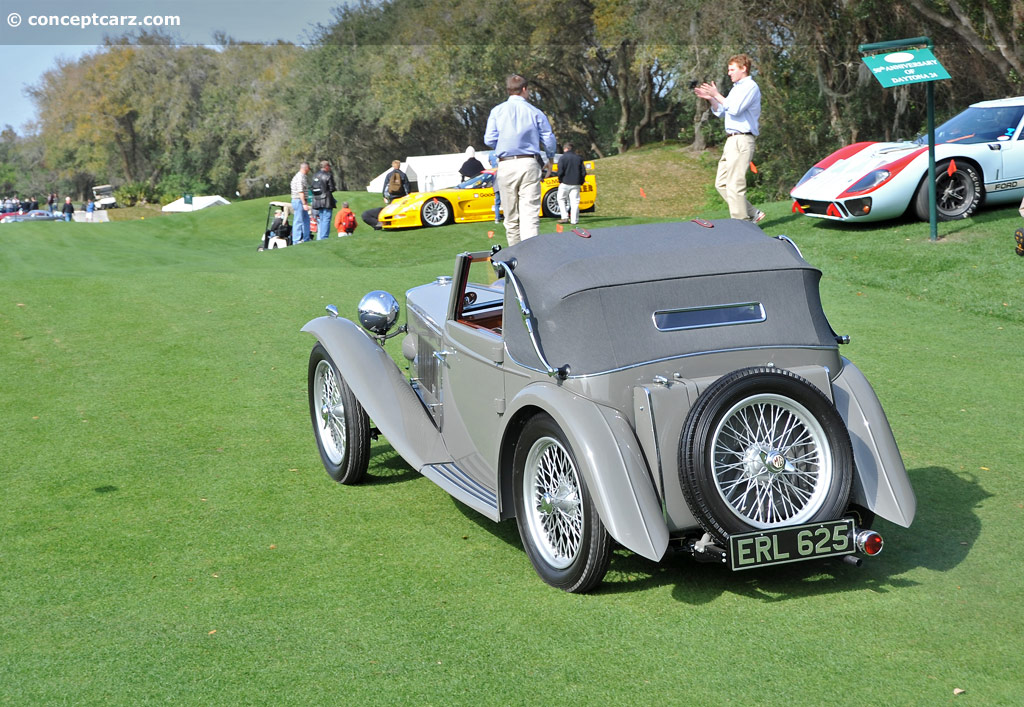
[[846, 170]]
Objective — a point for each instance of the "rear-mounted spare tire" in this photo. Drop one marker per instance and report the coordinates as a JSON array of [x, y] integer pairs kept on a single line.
[[763, 448]]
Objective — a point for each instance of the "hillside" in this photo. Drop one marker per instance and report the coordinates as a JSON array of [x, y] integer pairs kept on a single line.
[[658, 181]]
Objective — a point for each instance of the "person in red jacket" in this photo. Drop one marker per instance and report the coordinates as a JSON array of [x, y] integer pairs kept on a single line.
[[345, 221]]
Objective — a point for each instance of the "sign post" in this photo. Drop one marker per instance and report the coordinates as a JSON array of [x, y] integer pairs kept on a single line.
[[899, 68], [188, 201]]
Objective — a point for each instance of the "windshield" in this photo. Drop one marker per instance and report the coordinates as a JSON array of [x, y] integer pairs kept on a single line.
[[480, 181], [976, 125]]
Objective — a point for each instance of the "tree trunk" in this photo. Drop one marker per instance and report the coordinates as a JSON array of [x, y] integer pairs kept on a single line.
[[700, 116], [622, 91]]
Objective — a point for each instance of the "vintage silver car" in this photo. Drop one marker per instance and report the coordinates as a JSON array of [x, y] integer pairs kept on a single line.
[[665, 385]]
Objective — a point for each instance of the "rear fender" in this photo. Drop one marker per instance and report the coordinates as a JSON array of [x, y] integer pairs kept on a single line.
[[610, 460], [382, 390], [881, 483]]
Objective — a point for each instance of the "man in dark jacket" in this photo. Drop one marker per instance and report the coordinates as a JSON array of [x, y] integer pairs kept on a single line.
[[396, 184], [472, 166], [571, 173], [323, 199]]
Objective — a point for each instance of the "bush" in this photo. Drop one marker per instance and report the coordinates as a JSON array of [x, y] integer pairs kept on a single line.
[[175, 186], [134, 193]]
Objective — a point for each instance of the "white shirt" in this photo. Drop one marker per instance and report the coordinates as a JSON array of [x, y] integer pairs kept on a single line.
[[742, 107]]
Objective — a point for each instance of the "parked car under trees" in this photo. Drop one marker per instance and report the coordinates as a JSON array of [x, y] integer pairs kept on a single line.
[[659, 385]]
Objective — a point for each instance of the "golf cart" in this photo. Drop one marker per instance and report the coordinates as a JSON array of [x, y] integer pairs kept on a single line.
[[277, 233], [103, 196]]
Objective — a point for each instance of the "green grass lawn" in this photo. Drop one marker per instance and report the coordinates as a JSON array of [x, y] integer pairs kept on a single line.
[[169, 535]]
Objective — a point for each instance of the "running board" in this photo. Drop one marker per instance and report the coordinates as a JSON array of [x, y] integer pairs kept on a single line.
[[459, 484]]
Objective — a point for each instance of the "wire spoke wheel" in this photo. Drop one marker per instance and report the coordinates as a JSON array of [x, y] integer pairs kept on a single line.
[[561, 530], [763, 448], [555, 515], [771, 461], [340, 424], [330, 418]]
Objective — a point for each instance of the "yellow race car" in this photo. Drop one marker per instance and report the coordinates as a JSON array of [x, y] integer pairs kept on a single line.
[[473, 200]]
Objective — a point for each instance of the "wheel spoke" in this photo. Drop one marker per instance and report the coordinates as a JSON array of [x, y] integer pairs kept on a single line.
[[331, 414], [749, 440], [557, 505]]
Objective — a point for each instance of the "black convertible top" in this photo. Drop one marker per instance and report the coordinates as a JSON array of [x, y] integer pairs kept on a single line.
[[594, 299]]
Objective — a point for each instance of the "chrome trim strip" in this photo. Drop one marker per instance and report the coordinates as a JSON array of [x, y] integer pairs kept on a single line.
[[673, 358], [459, 478], [524, 308]]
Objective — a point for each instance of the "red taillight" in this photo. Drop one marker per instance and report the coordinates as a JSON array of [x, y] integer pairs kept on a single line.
[[869, 542]]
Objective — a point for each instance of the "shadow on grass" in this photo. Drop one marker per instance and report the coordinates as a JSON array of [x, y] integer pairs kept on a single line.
[[505, 530], [943, 532], [388, 467]]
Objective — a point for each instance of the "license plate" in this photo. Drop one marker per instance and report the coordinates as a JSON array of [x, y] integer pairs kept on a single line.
[[793, 544]]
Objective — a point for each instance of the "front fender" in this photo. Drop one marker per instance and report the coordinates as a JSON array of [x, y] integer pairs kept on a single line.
[[881, 483], [382, 390], [611, 462]]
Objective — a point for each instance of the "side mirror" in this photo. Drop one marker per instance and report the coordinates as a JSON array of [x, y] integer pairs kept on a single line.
[[378, 312]]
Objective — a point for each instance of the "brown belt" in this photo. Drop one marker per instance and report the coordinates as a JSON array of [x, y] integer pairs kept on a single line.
[[515, 157]]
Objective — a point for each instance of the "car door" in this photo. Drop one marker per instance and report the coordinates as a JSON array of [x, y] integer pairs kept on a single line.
[[472, 375], [1010, 148], [479, 202], [1013, 160]]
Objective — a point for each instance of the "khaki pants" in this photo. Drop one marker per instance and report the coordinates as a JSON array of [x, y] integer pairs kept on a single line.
[[519, 184], [731, 181]]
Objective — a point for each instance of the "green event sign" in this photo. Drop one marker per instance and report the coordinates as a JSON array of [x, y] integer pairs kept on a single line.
[[906, 67]]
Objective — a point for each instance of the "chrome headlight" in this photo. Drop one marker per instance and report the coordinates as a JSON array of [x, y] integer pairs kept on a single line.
[[378, 312]]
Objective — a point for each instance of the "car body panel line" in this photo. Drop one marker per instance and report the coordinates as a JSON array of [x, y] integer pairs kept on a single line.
[[647, 434], [666, 359], [382, 390], [881, 483], [611, 462]]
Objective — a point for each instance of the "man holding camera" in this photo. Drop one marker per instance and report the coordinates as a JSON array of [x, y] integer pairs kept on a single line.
[[741, 111]]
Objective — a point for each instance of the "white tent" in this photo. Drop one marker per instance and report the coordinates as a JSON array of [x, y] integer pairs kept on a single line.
[[429, 172], [198, 202]]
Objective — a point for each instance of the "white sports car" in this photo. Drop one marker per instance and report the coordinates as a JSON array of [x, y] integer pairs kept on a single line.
[[979, 157]]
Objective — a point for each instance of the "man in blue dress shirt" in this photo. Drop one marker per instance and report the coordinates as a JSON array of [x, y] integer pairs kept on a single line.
[[518, 131], [741, 110]]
